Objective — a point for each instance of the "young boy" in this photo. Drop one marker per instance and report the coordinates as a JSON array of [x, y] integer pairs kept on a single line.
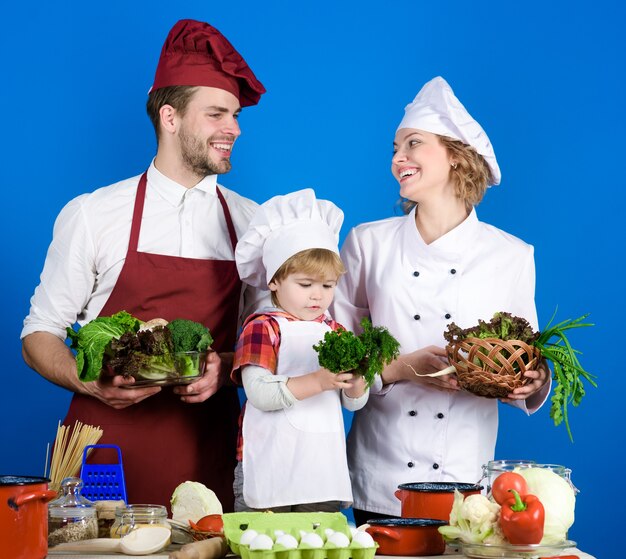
[[294, 454]]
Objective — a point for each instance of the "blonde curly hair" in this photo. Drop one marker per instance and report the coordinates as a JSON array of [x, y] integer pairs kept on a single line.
[[318, 262], [471, 176]]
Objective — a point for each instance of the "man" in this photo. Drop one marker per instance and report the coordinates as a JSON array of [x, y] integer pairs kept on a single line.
[[159, 245]]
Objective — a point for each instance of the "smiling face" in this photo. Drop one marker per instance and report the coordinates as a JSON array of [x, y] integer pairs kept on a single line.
[[303, 296], [421, 164], [207, 131]]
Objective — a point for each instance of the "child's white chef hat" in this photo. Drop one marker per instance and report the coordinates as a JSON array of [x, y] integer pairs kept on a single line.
[[436, 109], [282, 227]]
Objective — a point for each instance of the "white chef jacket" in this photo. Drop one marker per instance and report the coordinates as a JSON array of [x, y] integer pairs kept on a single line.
[[411, 432], [90, 242]]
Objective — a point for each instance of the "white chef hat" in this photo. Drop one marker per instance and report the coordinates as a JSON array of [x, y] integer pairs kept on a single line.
[[282, 227], [436, 109]]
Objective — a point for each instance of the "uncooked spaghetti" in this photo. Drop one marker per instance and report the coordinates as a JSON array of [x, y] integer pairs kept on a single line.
[[67, 453]]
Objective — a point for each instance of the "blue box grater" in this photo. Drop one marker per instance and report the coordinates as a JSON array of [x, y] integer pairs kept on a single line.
[[103, 482]]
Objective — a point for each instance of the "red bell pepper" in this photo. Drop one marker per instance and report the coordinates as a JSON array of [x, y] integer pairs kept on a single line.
[[522, 519]]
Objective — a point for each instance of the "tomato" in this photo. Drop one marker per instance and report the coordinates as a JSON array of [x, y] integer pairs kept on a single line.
[[506, 481], [212, 523]]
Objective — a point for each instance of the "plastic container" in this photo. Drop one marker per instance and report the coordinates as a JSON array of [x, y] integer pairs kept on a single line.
[[295, 524], [71, 517], [133, 516]]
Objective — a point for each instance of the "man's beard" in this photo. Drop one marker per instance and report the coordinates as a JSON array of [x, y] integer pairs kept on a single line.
[[195, 154]]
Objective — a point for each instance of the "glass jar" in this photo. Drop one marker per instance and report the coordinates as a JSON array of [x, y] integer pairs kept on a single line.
[[105, 510], [565, 473], [133, 516], [494, 468], [71, 517]]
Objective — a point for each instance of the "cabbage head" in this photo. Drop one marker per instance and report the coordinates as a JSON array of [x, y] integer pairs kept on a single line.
[[558, 499]]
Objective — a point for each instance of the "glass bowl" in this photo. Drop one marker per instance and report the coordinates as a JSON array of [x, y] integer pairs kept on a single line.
[[166, 370], [510, 551]]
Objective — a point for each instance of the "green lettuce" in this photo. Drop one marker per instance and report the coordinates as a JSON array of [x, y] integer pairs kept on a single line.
[[91, 340]]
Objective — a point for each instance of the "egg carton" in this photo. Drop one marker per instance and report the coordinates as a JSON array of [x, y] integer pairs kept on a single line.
[[299, 526]]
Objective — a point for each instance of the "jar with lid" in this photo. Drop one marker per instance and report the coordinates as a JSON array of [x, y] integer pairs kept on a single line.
[[565, 473], [133, 516], [494, 468], [71, 517]]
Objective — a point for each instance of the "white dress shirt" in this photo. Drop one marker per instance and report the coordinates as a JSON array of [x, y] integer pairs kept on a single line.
[[410, 432], [90, 242]]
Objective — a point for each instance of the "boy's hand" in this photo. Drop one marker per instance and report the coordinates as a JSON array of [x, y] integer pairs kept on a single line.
[[333, 381], [317, 382], [359, 386]]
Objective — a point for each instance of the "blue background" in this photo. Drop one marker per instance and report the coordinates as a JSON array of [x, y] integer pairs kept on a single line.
[[545, 79]]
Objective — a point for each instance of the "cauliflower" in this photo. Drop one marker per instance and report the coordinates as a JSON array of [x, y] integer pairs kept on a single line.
[[473, 519], [478, 510]]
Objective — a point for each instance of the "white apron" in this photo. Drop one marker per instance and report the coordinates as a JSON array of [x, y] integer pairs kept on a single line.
[[296, 455]]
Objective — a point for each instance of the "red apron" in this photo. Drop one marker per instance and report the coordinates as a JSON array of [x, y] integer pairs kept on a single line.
[[165, 441]]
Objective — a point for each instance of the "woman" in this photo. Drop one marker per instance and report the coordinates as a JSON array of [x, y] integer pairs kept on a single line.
[[416, 274]]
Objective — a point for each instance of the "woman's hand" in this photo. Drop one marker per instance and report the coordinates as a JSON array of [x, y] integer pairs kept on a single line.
[[538, 380], [412, 366]]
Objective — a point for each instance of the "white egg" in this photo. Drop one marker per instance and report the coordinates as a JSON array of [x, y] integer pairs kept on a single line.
[[278, 533], [353, 530], [363, 539], [262, 541], [303, 533], [312, 540], [248, 536], [328, 532], [339, 539], [287, 541]]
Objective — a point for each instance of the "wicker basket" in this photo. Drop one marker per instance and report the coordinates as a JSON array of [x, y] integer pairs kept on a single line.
[[492, 367]]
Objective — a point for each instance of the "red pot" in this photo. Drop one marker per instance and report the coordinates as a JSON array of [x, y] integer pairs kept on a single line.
[[407, 536], [431, 499], [24, 517]]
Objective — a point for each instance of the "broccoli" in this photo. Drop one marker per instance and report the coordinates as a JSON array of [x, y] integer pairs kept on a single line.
[[188, 335]]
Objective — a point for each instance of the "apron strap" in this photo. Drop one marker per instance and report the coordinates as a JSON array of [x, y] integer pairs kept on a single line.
[[229, 220], [137, 213]]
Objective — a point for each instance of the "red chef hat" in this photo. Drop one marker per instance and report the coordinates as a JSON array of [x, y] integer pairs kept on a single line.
[[195, 53]]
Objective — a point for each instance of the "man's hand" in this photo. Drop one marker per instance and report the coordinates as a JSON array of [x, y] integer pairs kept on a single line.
[[111, 391], [216, 372]]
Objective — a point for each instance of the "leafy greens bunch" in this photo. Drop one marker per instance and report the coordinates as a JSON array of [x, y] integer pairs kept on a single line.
[[119, 344], [503, 326], [365, 354], [554, 346]]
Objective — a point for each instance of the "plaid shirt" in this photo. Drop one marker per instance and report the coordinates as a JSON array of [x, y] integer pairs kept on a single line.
[[259, 344]]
